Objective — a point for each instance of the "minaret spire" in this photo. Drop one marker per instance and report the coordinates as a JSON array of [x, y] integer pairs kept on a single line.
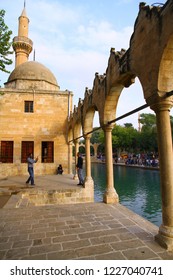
[[34, 56], [22, 45]]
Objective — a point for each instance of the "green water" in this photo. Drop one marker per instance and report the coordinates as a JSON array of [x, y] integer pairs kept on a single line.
[[138, 189]]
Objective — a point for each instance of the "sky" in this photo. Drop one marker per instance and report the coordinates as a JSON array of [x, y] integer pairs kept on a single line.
[[73, 39]]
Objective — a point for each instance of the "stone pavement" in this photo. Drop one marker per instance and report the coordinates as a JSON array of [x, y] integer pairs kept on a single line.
[[88, 231]]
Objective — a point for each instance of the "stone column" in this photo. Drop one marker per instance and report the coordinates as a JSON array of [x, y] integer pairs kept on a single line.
[[165, 235], [88, 178], [110, 195], [70, 158], [76, 143], [95, 149]]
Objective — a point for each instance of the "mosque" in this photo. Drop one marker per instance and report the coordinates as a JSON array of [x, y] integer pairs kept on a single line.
[[33, 113]]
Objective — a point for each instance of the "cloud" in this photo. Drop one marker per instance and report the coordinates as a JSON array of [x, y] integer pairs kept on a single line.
[[78, 56], [54, 17], [102, 36]]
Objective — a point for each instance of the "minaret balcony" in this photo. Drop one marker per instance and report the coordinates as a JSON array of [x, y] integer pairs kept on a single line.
[[22, 39], [22, 42]]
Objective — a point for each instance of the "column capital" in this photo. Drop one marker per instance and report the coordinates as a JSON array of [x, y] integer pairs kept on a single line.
[[165, 105], [87, 136], [158, 104], [108, 127], [76, 141]]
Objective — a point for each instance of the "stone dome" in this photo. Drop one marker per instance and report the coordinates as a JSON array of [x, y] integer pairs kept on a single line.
[[32, 72]]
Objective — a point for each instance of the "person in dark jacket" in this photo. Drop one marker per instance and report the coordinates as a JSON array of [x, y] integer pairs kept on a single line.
[[79, 169], [60, 169]]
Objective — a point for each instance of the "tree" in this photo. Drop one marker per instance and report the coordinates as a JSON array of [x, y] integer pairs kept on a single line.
[[124, 137], [128, 124], [148, 122], [5, 44], [95, 136]]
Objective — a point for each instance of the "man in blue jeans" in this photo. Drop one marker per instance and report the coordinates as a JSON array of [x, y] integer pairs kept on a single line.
[[79, 169], [31, 162]]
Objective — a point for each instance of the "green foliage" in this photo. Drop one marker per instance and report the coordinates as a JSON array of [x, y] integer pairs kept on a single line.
[[124, 137], [95, 136], [148, 122], [128, 138], [5, 44], [128, 124]]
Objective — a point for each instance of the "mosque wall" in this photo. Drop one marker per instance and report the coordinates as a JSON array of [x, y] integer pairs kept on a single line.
[[44, 125]]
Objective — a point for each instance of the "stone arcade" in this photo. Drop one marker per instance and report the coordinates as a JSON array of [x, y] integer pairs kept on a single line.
[[150, 58]]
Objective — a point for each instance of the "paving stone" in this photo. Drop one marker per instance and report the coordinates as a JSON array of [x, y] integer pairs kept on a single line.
[[98, 233], [5, 245], [76, 244], [111, 256], [2, 254], [126, 236], [54, 233], [24, 243], [154, 246], [37, 235], [3, 239], [166, 255], [69, 237], [35, 257], [74, 230], [123, 245], [127, 222], [142, 253], [16, 254], [104, 239], [44, 249], [94, 250], [62, 255], [19, 237], [44, 229], [37, 242]]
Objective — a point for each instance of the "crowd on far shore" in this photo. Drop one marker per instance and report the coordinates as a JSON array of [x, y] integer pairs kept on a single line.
[[149, 160], [143, 159]]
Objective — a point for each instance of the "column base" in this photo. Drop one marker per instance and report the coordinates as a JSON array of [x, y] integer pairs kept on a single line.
[[75, 177], [110, 197], [165, 237], [89, 189], [89, 183]]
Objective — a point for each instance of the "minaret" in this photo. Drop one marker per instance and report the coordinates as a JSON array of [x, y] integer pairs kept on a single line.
[[22, 45]]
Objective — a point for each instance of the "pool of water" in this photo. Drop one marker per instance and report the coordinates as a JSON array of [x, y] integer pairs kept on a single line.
[[138, 189]]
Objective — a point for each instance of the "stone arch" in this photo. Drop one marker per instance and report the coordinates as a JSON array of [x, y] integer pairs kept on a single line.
[[165, 80], [111, 103], [88, 120], [77, 130], [70, 133]]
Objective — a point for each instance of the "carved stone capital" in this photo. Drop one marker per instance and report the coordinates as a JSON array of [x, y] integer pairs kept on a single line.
[[158, 103]]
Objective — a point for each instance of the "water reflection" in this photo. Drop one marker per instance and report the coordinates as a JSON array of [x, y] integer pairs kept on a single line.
[[138, 189]]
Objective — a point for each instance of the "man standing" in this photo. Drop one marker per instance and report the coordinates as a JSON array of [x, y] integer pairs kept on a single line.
[[79, 169], [31, 162]]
